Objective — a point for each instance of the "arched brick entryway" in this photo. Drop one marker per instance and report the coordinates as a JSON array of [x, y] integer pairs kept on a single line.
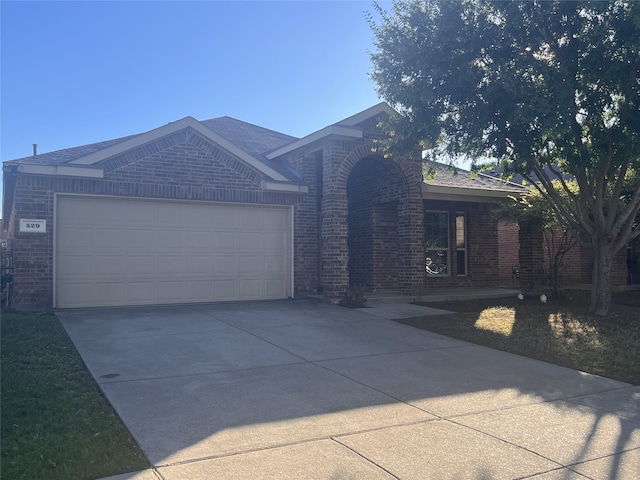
[[376, 190], [372, 229]]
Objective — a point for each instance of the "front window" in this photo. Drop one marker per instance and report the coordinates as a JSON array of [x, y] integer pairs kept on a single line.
[[436, 226]]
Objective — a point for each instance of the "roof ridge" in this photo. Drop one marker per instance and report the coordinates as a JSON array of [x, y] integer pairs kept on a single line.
[[252, 125]]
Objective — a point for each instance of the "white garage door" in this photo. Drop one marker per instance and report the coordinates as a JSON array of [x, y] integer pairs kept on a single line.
[[121, 251]]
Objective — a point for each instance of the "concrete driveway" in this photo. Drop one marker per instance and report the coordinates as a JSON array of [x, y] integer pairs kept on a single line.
[[305, 390]]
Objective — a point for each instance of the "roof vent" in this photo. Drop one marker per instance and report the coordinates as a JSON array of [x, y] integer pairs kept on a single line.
[[35, 149]]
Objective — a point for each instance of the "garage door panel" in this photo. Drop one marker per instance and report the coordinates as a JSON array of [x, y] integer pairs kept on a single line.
[[171, 215], [76, 238], [105, 214], [142, 265], [198, 290], [199, 240], [250, 265], [123, 251], [273, 287], [249, 218], [77, 213], [170, 239], [171, 292], [225, 290], [225, 241], [274, 265], [142, 213], [274, 220], [225, 216], [250, 242], [109, 265], [171, 265], [250, 289], [141, 293], [274, 242], [79, 294], [76, 265], [109, 293], [199, 216], [198, 265], [108, 238], [139, 239], [225, 265]]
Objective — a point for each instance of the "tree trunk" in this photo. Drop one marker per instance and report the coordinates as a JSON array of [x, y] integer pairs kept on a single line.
[[601, 279]]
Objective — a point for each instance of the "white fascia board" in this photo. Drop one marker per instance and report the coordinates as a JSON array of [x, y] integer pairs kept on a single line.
[[174, 127], [64, 170], [283, 187], [134, 142], [341, 131], [434, 192], [382, 107]]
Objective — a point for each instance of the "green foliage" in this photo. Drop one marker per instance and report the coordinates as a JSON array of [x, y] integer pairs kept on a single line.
[[55, 423], [535, 206], [529, 84], [353, 298]]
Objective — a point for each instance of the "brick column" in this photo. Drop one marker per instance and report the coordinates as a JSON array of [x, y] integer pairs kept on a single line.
[[531, 257], [411, 229]]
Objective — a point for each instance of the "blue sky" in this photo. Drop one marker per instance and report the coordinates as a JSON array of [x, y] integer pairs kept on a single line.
[[74, 73]]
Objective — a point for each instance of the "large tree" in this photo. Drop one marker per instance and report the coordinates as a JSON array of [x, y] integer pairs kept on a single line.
[[529, 83]]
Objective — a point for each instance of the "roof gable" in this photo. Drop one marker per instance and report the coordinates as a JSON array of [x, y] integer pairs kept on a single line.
[[173, 127], [344, 128]]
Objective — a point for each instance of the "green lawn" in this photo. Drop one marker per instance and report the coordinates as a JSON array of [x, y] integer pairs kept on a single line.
[[55, 423], [560, 331]]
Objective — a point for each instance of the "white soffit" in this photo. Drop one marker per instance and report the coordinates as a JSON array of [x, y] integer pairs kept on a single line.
[[174, 127]]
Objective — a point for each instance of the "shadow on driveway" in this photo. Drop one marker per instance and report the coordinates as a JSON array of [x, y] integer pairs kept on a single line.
[[292, 389]]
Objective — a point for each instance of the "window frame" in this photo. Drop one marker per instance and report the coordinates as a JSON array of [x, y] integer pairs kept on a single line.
[[432, 272], [464, 242]]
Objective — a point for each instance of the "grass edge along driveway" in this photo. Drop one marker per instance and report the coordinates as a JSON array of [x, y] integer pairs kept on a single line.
[[55, 423]]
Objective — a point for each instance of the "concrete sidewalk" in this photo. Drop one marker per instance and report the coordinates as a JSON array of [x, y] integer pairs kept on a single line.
[[306, 390]]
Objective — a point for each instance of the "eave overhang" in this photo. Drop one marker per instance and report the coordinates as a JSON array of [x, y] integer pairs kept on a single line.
[[440, 192], [284, 187], [62, 170]]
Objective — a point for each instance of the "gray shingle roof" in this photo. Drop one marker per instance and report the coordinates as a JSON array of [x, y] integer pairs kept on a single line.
[[445, 177], [60, 157], [252, 139]]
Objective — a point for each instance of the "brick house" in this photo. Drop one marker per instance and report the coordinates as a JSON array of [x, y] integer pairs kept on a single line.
[[223, 210], [577, 263]]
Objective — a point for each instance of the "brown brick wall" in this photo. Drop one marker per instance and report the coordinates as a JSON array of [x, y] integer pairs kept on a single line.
[[508, 252], [173, 170], [576, 267]]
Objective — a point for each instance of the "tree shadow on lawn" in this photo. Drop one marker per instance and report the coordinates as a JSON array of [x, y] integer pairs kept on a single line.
[[561, 331]]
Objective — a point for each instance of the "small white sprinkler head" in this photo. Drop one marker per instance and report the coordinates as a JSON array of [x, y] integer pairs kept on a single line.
[[520, 296], [543, 298]]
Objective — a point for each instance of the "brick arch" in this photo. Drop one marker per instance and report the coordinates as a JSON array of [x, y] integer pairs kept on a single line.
[[339, 162], [412, 175], [384, 222]]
